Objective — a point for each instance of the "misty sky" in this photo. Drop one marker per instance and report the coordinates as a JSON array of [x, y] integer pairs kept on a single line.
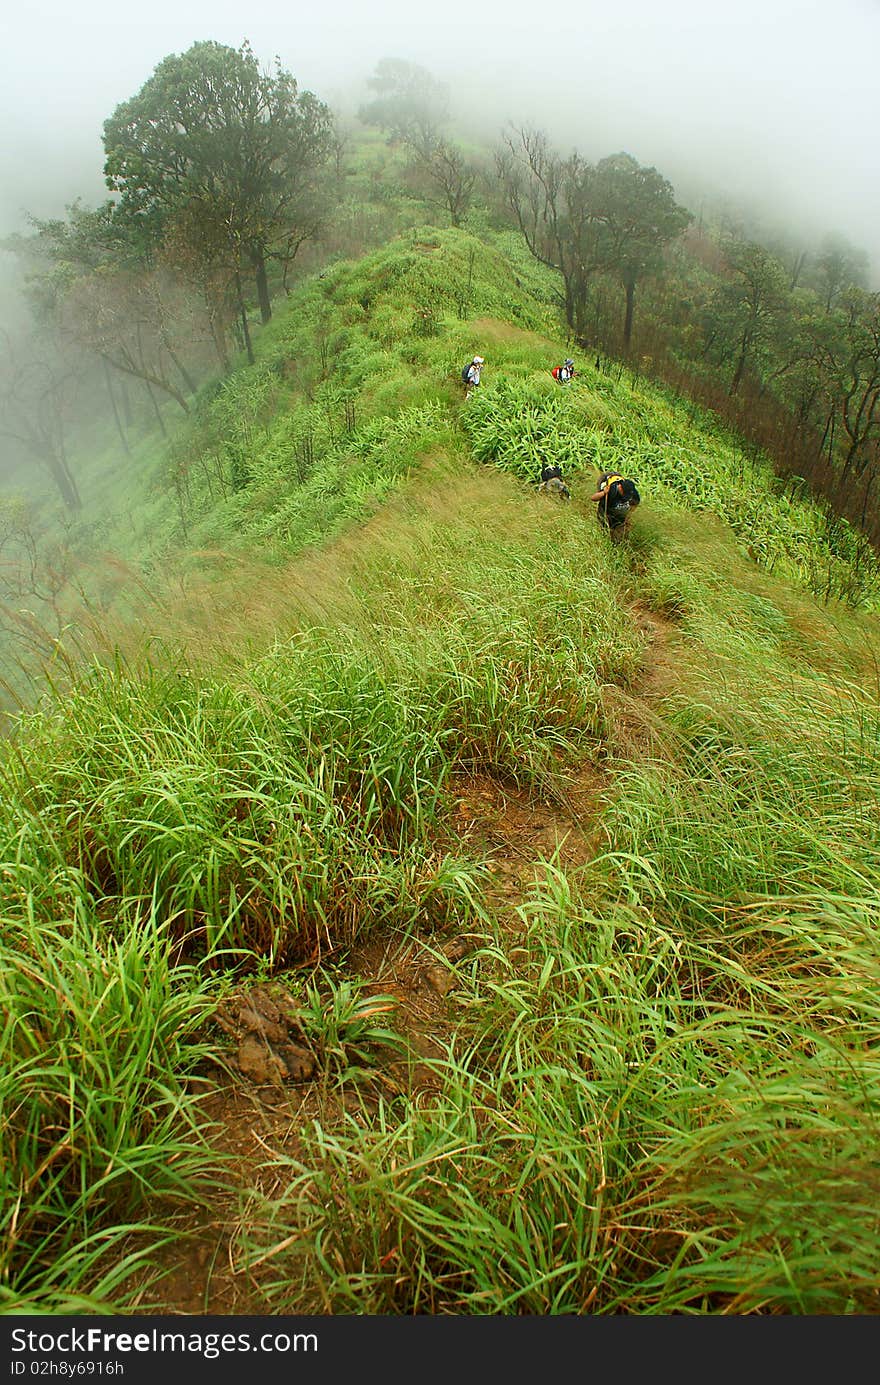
[[776, 100]]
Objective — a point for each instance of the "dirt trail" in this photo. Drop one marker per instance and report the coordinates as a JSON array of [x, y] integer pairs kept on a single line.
[[514, 831]]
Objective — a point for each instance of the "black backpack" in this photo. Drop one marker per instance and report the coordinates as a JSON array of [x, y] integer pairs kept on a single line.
[[465, 373]]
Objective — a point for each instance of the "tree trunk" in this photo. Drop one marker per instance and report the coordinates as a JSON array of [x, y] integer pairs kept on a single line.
[[246, 333], [630, 286], [126, 403], [63, 478], [258, 260], [740, 367], [570, 314], [219, 340], [156, 409], [184, 373], [70, 481], [119, 428], [151, 377], [871, 479], [245, 330]]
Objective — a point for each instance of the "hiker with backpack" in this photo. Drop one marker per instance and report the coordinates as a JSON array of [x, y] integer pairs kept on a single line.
[[470, 375], [552, 482], [565, 373], [616, 498]]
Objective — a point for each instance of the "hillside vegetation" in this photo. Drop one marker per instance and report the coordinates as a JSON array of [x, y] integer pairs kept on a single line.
[[365, 661]]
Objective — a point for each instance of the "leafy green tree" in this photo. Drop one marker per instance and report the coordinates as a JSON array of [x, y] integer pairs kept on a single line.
[[745, 310], [637, 217], [845, 350], [840, 265], [209, 126], [61, 251], [87, 239], [580, 218], [409, 103]]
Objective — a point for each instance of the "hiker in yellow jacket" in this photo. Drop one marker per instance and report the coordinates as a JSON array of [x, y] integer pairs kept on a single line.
[[616, 498]]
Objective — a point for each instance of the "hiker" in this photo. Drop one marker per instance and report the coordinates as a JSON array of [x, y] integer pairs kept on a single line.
[[565, 373], [616, 498], [470, 375], [552, 482]]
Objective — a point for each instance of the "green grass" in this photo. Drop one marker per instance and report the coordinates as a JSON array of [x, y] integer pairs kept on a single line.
[[666, 1100], [98, 1101], [627, 1123], [659, 1093]]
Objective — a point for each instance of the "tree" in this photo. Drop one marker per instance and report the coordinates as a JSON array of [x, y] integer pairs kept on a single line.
[[581, 218], [37, 580], [745, 310], [139, 323], [409, 103], [447, 177], [550, 201], [91, 283], [840, 265], [210, 126], [64, 249], [413, 106], [203, 242], [845, 348], [638, 217], [37, 390]]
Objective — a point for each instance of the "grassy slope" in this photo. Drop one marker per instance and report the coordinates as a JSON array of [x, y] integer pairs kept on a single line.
[[668, 1099]]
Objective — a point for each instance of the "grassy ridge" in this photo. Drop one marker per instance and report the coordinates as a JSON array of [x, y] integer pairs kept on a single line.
[[666, 1099]]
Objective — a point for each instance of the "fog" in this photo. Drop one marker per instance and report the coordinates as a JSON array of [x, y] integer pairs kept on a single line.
[[775, 104]]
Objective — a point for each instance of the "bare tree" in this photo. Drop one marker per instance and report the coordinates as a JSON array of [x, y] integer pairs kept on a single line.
[[137, 323], [846, 349], [38, 386], [447, 176]]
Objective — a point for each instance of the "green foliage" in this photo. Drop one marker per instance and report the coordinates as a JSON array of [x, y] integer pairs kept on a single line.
[[696, 1000], [614, 217], [348, 1029], [665, 1099], [520, 426], [339, 407], [100, 1116], [609, 423], [209, 131], [409, 103], [631, 1121], [747, 306], [297, 801]]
